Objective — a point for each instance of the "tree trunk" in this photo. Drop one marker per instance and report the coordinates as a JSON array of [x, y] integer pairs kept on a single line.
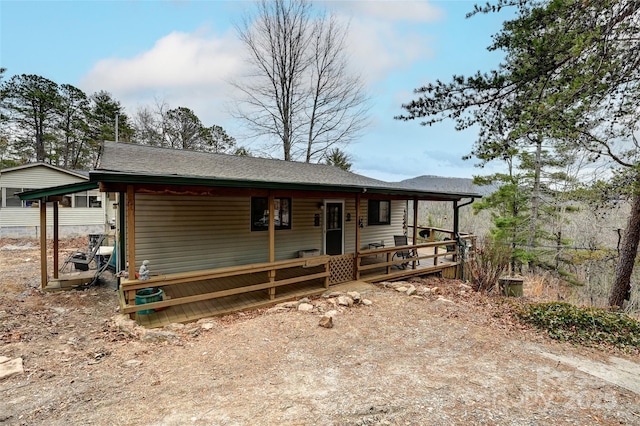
[[628, 252], [535, 198]]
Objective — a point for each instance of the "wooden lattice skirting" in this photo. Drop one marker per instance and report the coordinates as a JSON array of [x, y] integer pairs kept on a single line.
[[341, 268]]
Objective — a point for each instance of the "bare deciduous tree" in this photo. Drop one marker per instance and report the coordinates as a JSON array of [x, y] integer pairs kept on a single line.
[[299, 92]]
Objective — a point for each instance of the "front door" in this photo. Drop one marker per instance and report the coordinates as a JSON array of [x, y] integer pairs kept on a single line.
[[333, 228]]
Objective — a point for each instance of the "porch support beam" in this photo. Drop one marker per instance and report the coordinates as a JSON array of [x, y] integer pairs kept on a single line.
[[272, 243], [358, 238], [415, 227], [43, 243], [56, 239], [131, 238]]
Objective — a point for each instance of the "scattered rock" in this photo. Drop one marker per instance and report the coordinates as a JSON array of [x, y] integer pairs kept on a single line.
[[304, 300], [276, 309], [126, 325], [193, 332], [465, 287], [332, 294], [58, 310], [326, 321], [442, 299], [132, 363], [401, 289], [207, 325], [411, 290], [10, 367], [305, 307], [331, 313], [288, 305], [155, 335], [345, 301], [366, 302], [354, 295], [175, 326]]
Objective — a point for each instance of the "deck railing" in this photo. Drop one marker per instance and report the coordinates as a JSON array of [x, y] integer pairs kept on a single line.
[[269, 282], [435, 256]]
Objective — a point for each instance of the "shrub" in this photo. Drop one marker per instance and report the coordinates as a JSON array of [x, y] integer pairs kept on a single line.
[[584, 326], [491, 260]]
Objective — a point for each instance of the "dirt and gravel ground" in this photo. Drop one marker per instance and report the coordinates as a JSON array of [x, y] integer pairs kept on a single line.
[[439, 357]]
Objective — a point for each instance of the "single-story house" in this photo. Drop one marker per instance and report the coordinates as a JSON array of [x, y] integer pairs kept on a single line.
[[223, 232], [83, 212]]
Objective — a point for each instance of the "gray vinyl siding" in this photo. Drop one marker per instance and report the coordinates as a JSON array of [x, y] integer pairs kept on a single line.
[[382, 233], [36, 177], [25, 222], [18, 222], [186, 233]]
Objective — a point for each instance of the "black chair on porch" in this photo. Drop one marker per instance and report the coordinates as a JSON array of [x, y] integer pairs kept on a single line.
[[402, 241]]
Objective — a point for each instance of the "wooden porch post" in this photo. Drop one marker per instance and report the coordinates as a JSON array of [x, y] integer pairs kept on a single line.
[[456, 231], [356, 272], [272, 243], [131, 240], [55, 239], [43, 243], [415, 227]]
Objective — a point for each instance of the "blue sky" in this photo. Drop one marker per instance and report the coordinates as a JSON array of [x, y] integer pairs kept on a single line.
[[184, 52]]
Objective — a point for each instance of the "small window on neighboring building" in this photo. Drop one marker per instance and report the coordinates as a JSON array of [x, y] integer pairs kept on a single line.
[[260, 213], [87, 199], [13, 200], [379, 212]]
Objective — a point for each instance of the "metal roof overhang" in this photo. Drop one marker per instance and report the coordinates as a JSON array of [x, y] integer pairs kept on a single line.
[[134, 178], [56, 191]]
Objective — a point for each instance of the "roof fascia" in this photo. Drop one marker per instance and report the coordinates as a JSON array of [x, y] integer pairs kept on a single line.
[[50, 166], [57, 190], [129, 178]]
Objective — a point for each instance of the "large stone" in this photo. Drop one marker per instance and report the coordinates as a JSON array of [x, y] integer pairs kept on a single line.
[[126, 325], [174, 326], [155, 335], [345, 301], [305, 307], [207, 325], [10, 367], [326, 321], [354, 295]]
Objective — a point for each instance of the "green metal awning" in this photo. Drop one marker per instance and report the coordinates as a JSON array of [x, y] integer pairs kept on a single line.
[[55, 191]]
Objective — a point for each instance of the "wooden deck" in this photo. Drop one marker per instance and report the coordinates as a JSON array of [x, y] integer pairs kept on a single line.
[[188, 312], [223, 305]]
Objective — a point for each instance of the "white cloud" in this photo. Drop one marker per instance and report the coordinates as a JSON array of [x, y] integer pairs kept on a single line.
[[179, 59], [393, 10], [181, 69]]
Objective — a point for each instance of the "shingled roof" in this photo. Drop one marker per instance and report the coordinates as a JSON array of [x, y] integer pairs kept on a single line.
[[138, 163], [139, 159]]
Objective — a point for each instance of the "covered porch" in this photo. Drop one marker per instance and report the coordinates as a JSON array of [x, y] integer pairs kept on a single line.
[[191, 296]]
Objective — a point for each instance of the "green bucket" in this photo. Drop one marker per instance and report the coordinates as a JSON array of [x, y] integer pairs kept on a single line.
[[148, 295]]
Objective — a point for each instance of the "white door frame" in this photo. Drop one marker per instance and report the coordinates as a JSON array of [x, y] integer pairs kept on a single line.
[[324, 223]]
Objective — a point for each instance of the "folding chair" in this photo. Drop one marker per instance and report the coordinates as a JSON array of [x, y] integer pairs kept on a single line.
[[401, 241]]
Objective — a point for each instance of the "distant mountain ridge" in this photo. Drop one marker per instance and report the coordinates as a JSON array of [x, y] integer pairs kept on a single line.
[[446, 184]]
